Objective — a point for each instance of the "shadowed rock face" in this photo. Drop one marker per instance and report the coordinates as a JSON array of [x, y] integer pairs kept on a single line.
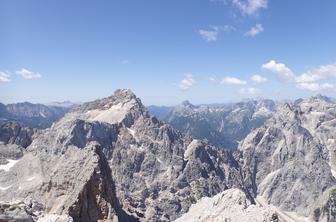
[[13, 133], [109, 159], [290, 160]]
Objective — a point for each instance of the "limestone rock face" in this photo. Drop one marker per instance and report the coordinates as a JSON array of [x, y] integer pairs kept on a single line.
[[326, 212], [290, 159], [109, 160], [229, 205], [12, 132]]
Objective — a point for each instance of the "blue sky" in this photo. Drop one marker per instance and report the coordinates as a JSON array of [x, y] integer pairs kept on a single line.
[[166, 51]]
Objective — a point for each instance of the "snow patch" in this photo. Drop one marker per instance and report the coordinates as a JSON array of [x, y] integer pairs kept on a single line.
[[42, 114], [263, 111], [316, 113], [131, 131], [5, 188], [268, 179], [30, 179], [333, 172], [55, 218], [190, 148], [331, 141], [9, 165], [236, 110], [114, 114]]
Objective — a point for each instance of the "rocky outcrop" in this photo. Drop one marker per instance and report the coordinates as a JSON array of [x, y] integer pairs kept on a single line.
[[287, 161], [229, 205], [13, 133], [327, 211], [14, 212]]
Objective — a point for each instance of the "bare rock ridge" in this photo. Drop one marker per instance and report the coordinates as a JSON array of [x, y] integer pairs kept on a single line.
[[290, 160], [230, 205], [109, 159]]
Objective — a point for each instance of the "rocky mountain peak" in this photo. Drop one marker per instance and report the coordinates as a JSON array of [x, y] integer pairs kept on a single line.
[[109, 156], [184, 107], [120, 97], [292, 149], [186, 103], [322, 97], [319, 98], [122, 106]]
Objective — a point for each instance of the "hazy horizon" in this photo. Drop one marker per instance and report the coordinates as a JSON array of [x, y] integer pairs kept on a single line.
[[179, 102]]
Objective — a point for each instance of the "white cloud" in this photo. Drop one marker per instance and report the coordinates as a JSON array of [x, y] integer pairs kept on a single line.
[[250, 91], [228, 28], [320, 73], [285, 73], [4, 77], [255, 30], [314, 86], [250, 7], [209, 35], [232, 81], [258, 79], [307, 80], [212, 79], [186, 83], [26, 74], [281, 70]]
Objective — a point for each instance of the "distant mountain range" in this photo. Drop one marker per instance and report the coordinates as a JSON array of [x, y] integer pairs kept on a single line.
[[34, 115], [222, 125]]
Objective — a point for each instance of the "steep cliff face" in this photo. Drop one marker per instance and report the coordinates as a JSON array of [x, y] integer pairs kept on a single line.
[[76, 183], [287, 161], [12, 132], [327, 210]]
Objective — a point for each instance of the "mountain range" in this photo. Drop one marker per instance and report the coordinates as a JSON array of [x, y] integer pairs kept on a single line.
[[34, 115], [113, 160], [222, 125]]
